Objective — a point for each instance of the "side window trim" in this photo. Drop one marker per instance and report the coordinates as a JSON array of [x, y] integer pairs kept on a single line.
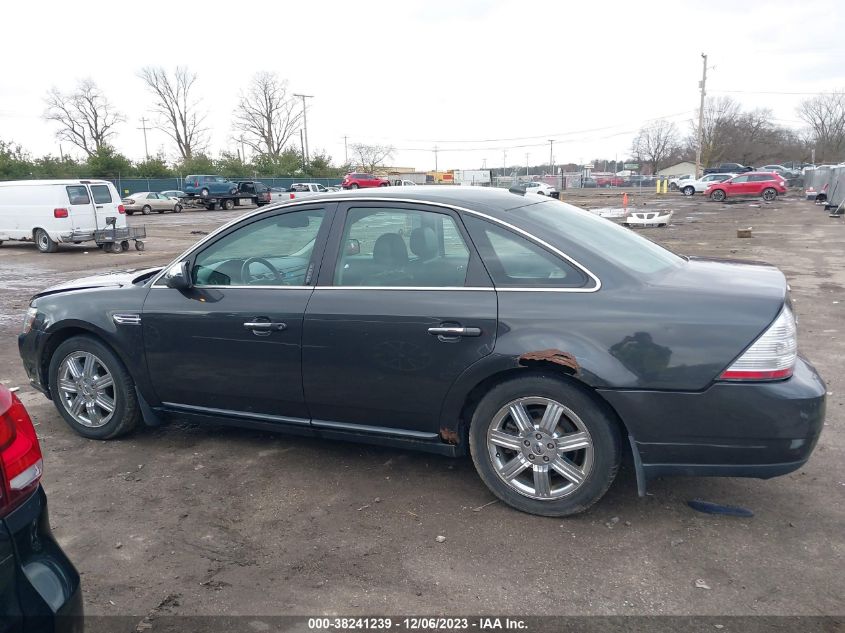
[[477, 277], [317, 255]]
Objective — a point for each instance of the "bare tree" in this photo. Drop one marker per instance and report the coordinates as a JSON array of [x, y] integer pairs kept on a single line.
[[656, 144], [266, 115], [86, 118], [178, 108], [720, 117], [825, 116], [371, 156]]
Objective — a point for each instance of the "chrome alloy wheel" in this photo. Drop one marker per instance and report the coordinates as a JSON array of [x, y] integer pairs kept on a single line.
[[87, 390], [540, 448]]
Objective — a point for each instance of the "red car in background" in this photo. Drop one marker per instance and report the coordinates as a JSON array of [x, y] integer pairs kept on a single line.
[[755, 184], [362, 181], [608, 181]]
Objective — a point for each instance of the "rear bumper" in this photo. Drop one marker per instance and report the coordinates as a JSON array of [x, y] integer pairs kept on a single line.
[[758, 430], [39, 587]]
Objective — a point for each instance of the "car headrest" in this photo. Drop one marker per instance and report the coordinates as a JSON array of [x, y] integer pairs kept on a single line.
[[390, 250], [424, 242]]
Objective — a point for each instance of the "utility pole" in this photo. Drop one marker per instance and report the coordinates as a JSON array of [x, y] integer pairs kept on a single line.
[[504, 162], [702, 86], [526, 162], [305, 125], [551, 155], [144, 127], [345, 151], [62, 154], [302, 144], [243, 149], [435, 163]]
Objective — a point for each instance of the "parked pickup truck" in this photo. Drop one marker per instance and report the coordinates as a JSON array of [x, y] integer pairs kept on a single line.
[[728, 168]]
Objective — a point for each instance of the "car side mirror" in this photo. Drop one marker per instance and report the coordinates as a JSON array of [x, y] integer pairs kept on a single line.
[[178, 276], [353, 247]]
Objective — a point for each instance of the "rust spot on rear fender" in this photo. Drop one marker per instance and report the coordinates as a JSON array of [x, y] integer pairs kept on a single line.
[[556, 356]]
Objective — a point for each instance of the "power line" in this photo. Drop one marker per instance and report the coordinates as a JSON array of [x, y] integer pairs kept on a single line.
[[777, 92]]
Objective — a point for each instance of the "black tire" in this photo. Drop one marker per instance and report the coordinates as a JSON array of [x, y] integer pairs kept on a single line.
[[602, 428], [114, 247], [44, 242], [228, 204], [130, 213], [145, 210], [384, 184], [177, 208], [204, 193], [717, 195], [126, 412], [160, 211], [139, 245], [769, 194], [689, 190], [353, 186]]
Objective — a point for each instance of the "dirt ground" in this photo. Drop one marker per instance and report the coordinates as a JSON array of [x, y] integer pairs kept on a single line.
[[193, 520]]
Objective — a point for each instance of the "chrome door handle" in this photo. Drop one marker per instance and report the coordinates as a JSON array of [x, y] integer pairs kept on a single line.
[[265, 326], [455, 331]]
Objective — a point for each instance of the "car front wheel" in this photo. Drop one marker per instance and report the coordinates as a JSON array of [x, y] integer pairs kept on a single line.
[[92, 389], [544, 446], [717, 195]]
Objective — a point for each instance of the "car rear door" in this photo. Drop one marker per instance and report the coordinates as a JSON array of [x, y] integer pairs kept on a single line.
[[402, 307], [83, 216], [106, 204]]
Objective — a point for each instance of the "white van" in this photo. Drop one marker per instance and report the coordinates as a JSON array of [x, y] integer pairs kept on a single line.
[[51, 212]]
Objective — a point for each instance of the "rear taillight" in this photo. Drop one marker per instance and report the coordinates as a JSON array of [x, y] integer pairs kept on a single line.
[[292, 196], [20, 455], [59, 213], [772, 356], [121, 208]]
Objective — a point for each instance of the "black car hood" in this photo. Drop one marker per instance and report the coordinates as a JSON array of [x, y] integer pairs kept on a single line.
[[115, 279]]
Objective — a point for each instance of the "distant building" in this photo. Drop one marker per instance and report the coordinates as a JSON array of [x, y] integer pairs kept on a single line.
[[678, 170]]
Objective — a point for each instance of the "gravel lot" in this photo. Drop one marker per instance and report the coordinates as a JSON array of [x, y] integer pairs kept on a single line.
[[193, 520]]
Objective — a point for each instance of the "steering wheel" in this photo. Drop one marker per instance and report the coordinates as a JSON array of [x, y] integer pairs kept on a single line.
[[246, 276]]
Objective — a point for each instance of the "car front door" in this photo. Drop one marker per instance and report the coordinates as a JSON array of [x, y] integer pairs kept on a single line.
[[231, 344], [739, 186], [403, 306]]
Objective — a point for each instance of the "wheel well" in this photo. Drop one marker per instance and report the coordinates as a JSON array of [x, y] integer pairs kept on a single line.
[[60, 337], [535, 368]]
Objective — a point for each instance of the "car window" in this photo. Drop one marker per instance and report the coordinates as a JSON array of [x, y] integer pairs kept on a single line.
[[101, 194], [321, 188], [740, 179], [401, 247], [78, 194], [514, 261], [273, 251], [612, 242]]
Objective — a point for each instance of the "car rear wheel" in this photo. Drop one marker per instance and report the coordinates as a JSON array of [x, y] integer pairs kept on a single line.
[[146, 209], [204, 193], [544, 446], [769, 194], [44, 242], [228, 205], [688, 190], [717, 195], [92, 389]]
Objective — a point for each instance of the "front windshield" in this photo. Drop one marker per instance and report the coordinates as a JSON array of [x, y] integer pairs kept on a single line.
[[613, 242]]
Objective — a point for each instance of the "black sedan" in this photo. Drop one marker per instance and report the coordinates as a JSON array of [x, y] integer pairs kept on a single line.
[[538, 338]]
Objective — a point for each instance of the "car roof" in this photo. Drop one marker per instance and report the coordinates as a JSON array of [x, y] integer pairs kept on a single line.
[[29, 183], [492, 200]]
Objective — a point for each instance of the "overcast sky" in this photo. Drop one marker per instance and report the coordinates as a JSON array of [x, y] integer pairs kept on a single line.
[[418, 74]]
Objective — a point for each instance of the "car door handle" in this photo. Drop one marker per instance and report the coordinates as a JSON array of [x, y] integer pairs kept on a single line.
[[99, 206], [447, 331], [265, 326]]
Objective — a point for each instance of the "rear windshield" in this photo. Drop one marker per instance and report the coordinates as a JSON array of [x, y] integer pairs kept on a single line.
[[101, 194], [615, 243]]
